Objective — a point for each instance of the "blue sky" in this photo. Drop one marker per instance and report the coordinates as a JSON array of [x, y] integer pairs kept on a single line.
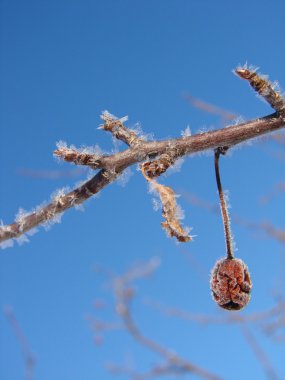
[[62, 64]]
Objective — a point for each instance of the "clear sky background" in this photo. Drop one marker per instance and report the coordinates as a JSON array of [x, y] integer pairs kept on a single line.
[[63, 63]]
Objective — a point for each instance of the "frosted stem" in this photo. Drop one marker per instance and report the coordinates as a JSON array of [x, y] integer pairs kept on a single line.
[[224, 210]]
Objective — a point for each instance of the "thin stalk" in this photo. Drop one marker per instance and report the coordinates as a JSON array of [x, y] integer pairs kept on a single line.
[[224, 210]]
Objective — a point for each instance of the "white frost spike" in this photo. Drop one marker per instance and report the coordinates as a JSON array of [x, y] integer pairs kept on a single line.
[[124, 178], [156, 203], [32, 232], [180, 215], [227, 198], [95, 150], [108, 117], [61, 145], [56, 197], [7, 244], [186, 132], [56, 219], [175, 168], [22, 239], [20, 218], [79, 207]]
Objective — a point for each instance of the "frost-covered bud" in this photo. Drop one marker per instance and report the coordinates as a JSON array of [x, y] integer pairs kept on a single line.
[[231, 284]]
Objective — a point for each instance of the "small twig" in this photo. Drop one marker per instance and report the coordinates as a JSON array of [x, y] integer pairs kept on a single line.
[[273, 231], [233, 318], [118, 129], [154, 372], [260, 354], [264, 88], [210, 108], [278, 188], [27, 355], [77, 157], [50, 174]]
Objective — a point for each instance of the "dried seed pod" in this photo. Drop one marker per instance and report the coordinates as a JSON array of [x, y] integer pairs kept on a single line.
[[157, 167], [231, 284]]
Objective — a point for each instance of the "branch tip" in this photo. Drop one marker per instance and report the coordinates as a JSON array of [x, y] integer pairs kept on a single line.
[[260, 83]]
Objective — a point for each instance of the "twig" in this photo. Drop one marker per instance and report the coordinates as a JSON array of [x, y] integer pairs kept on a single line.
[[29, 358], [269, 91], [210, 108], [118, 129], [124, 295], [236, 318], [260, 354]]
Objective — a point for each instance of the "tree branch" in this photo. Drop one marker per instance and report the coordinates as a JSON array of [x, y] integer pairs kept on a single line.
[[113, 165], [139, 150]]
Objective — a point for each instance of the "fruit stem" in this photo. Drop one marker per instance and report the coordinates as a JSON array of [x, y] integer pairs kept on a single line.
[[224, 211]]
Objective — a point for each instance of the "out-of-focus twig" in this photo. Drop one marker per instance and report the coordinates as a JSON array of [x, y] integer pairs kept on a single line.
[[266, 227], [260, 354], [279, 188], [29, 358], [154, 372], [124, 294], [233, 318], [209, 108]]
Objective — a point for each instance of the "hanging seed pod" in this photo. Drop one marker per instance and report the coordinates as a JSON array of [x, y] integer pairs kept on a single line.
[[231, 284], [230, 279]]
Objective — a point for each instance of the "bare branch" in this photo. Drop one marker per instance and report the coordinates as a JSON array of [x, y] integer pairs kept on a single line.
[[115, 164], [139, 150]]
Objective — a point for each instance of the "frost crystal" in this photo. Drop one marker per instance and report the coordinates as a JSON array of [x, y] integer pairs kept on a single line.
[[61, 145], [22, 239], [56, 196], [175, 168], [124, 178], [7, 244], [107, 117], [156, 203], [20, 218], [186, 132]]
